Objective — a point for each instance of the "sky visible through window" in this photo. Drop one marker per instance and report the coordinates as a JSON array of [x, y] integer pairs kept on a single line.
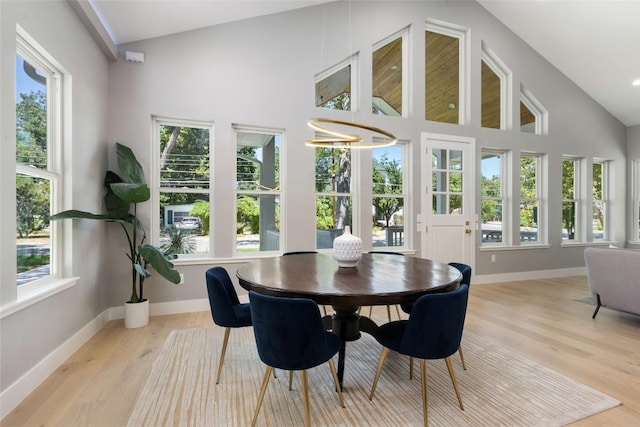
[[24, 83]]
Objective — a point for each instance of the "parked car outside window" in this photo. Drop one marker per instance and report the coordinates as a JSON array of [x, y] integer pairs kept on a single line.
[[190, 223]]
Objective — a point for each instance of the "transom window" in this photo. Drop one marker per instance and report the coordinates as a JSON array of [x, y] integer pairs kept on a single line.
[[495, 91], [533, 116], [445, 73], [335, 87], [389, 74]]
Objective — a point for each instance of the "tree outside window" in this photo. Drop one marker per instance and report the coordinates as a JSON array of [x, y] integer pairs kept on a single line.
[[184, 196], [529, 198], [493, 200], [569, 198], [37, 169], [600, 201], [334, 199], [388, 196]]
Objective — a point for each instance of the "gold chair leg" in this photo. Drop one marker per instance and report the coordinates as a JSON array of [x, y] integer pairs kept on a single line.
[[290, 379], [370, 310], [305, 396], [224, 350], [389, 312], [324, 309], [453, 380], [336, 381], [383, 355], [464, 366], [410, 367], [398, 311], [423, 376], [263, 389]]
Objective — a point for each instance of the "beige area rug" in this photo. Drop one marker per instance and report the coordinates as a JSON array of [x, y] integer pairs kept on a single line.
[[498, 389]]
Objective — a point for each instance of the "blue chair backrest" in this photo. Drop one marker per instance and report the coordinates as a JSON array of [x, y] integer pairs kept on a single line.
[[222, 297], [435, 325], [465, 270], [288, 331]]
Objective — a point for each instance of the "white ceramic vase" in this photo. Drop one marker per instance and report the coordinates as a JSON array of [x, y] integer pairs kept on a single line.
[[136, 314], [347, 248]]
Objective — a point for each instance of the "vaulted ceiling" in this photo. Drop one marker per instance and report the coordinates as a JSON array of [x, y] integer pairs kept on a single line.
[[594, 43]]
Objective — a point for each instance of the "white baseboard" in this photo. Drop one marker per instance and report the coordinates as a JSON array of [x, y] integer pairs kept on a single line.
[[19, 390], [529, 275], [162, 308]]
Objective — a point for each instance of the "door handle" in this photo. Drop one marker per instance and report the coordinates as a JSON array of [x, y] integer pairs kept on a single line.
[[468, 231]]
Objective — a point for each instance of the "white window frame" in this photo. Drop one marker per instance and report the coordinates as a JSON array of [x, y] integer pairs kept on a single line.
[[464, 52], [353, 62], [635, 215], [538, 199], [278, 193], [157, 122], [404, 35], [16, 298], [578, 200], [354, 191], [506, 84], [405, 196], [503, 199], [606, 232], [535, 107]]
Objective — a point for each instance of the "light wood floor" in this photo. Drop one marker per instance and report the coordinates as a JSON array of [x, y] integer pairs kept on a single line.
[[538, 319]]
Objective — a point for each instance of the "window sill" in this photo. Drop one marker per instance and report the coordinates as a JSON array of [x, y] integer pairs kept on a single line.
[[37, 294], [513, 248], [579, 244]]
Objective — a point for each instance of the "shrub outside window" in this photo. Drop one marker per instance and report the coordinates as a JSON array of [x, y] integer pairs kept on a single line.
[[184, 194]]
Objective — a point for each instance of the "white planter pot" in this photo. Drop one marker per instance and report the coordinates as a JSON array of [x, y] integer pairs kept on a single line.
[[136, 314], [347, 249]]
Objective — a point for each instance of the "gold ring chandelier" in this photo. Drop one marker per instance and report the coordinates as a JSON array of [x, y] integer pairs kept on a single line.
[[337, 139]]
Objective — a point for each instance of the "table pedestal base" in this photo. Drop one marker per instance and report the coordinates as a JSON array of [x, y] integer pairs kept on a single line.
[[347, 324]]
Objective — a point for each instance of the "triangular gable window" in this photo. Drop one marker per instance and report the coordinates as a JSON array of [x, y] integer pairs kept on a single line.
[[534, 118]]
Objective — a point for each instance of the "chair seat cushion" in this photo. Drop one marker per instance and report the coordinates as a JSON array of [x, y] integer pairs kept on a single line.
[[243, 315]]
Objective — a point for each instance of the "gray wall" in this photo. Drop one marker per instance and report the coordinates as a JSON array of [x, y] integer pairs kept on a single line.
[[32, 333], [260, 72]]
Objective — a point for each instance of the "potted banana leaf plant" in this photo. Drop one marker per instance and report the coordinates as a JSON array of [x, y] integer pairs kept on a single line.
[[123, 193]]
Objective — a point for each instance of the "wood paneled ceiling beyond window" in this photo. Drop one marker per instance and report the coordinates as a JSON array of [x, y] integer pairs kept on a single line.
[[442, 82], [387, 74]]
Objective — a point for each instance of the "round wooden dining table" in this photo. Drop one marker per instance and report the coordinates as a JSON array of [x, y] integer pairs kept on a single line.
[[378, 279]]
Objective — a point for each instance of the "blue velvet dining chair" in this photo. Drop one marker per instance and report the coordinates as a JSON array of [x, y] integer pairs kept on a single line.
[[465, 270], [433, 331], [290, 336], [226, 309]]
